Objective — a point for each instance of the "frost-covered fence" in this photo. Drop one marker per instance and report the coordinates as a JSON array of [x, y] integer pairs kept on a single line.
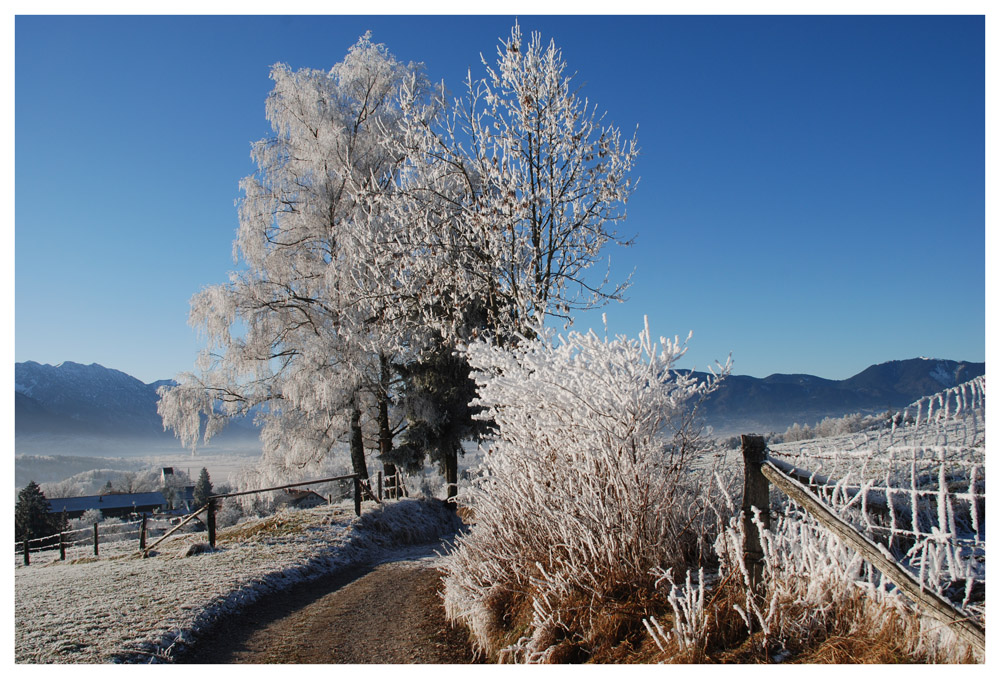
[[917, 486], [394, 487], [965, 400], [110, 538], [360, 486], [911, 502]]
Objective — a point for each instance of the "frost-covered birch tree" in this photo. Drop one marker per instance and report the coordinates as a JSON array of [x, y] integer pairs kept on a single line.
[[301, 334], [520, 185]]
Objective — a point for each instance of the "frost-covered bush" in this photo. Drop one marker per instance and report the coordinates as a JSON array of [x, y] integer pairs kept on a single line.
[[834, 426], [229, 513], [585, 492], [87, 519]]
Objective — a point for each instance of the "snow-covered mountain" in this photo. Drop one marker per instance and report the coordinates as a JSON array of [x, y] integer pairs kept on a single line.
[[71, 397], [74, 402], [750, 404]]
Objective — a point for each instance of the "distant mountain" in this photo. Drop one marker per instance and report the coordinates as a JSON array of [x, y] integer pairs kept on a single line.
[[91, 402], [760, 405], [91, 399], [73, 401]]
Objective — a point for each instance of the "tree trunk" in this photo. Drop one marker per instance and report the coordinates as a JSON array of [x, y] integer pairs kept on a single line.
[[357, 442], [384, 430], [451, 472]]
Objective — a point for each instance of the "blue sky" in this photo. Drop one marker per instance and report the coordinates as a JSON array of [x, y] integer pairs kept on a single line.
[[812, 194]]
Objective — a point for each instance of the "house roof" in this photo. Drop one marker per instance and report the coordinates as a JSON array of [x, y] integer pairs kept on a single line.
[[115, 501], [293, 496]]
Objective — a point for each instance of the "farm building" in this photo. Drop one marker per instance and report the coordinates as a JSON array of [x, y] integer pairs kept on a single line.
[[299, 499], [181, 499], [112, 505]]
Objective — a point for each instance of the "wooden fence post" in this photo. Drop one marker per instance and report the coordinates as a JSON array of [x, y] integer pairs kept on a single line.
[[142, 532], [379, 496], [756, 492], [27, 559], [211, 522], [95, 539], [62, 546], [357, 495]]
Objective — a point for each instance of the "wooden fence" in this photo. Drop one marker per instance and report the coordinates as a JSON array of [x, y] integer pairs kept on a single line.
[[760, 470], [212, 506], [91, 538], [207, 513]]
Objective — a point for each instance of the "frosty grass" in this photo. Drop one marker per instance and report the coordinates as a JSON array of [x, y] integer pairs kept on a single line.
[[129, 609]]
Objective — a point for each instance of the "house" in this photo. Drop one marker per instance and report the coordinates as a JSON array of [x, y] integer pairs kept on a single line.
[[299, 499], [179, 499], [113, 505]]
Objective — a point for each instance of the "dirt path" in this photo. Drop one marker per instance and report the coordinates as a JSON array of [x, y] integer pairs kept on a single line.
[[390, 613]]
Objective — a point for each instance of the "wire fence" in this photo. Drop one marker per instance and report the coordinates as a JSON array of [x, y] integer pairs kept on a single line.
[[916, 486]]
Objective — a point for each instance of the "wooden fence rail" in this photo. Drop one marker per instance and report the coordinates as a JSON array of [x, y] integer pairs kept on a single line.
[[212, 507], [208, 512], [760, 470], [63, 541]]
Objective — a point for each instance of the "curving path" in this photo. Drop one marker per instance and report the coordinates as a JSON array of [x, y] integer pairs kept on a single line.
[[386, 613]]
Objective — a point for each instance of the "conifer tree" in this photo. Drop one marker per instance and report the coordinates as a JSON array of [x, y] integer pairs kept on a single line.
[[31, 514], [202, 489]]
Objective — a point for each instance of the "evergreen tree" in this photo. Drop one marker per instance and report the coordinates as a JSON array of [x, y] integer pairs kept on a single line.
[[31, 514], [202, 489], [437, 396]]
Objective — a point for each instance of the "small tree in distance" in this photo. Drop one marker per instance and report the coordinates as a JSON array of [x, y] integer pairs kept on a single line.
[[202, 489], [31, 514]]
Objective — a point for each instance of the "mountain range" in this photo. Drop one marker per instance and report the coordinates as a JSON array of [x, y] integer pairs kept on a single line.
[[74, 409], [761, 405], [71, 400]]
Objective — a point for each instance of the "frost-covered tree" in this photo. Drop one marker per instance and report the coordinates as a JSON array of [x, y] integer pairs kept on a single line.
[[300, 334], [508, 194], [384, 228], [517, 189]]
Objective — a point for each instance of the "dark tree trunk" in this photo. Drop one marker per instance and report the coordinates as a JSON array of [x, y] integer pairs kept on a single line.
[[357, 442], [384, 430], [451, 472]]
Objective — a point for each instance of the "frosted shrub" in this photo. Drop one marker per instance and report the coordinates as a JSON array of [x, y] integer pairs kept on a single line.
[[691, 618], [585, 491], [88, 519], [229, 514]]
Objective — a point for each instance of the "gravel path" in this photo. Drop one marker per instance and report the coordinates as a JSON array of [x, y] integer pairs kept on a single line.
[[387, 614]]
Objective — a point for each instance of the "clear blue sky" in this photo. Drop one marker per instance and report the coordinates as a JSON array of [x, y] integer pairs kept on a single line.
[[811, 197]]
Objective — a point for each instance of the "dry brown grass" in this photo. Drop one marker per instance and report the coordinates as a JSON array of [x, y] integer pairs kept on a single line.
[[858, 632], [282, 524]]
